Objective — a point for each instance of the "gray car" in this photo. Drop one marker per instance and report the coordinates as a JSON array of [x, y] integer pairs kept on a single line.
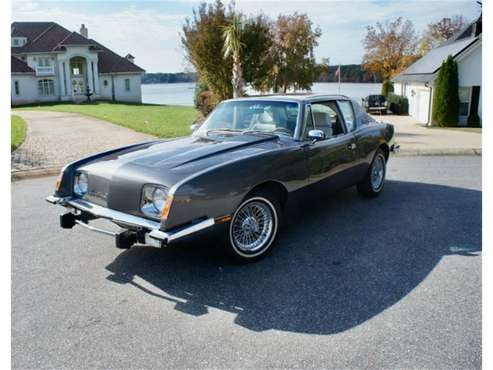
[[235, 172]]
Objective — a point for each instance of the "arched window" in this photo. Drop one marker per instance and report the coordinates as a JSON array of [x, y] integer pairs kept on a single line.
[[46, 88]]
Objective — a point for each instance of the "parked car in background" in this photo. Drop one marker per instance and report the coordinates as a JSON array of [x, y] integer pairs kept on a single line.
[[375, 104], [235, 172]]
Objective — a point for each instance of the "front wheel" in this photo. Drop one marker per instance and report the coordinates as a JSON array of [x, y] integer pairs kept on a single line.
[[372, 184], [253, 228]]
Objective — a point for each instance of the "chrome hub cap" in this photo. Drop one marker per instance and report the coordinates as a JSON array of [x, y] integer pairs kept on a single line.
[[377, 173], [252, 226]]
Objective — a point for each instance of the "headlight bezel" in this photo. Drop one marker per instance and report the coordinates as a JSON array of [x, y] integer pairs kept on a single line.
[[80, 188], [148, 200]]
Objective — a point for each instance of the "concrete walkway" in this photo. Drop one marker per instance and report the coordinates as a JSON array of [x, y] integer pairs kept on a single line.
[[417, 139], [54, 139]]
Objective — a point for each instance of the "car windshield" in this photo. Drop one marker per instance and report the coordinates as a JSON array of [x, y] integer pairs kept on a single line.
[[252, 116]]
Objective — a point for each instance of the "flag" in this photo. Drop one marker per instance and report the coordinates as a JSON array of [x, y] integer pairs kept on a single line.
[[338, 73]]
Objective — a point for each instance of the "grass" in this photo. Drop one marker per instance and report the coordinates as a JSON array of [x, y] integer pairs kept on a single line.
[[159, 120], [18, 131]]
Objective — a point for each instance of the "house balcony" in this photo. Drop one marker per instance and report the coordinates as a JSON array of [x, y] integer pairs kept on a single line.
[[45, 70]]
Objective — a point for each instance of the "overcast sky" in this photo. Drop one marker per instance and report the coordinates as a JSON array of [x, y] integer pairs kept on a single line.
[[150, 30]]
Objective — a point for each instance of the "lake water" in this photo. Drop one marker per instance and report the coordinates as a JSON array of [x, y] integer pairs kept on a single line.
[[182, 93]]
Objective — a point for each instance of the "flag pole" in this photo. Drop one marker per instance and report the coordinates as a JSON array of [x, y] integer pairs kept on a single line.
[[339, 75]]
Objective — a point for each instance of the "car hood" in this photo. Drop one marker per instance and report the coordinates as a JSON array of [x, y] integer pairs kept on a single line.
[[167, 162]]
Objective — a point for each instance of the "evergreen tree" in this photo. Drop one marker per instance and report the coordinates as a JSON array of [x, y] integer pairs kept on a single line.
[[387, 88], [446, 97]]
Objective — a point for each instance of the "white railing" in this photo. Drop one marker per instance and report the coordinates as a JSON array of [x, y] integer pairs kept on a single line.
[[45, 70]]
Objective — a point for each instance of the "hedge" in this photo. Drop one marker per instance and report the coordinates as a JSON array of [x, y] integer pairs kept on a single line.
[[398, 104]]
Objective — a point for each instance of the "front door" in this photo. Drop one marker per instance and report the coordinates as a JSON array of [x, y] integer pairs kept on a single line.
[[330, 160]]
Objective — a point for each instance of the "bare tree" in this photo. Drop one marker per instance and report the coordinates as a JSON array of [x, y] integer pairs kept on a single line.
[[440, 31]]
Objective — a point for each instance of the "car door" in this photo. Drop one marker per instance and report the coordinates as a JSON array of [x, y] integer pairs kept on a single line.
[[331, 159]]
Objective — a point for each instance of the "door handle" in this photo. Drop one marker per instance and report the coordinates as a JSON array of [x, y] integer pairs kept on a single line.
[[351, 146]]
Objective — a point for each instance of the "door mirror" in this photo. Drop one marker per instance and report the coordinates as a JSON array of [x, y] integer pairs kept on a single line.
[[316, 135]]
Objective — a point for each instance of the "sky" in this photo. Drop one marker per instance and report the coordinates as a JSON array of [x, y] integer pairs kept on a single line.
[[150, 30]]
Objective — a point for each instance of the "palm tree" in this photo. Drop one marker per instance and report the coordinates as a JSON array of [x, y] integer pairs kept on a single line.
[[232, 47]]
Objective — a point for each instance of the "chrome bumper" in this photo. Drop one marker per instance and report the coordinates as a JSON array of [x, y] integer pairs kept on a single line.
[[153, 235]]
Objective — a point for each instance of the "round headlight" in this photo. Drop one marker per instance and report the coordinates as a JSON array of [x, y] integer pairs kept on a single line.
[[80, 184], [158, 199]]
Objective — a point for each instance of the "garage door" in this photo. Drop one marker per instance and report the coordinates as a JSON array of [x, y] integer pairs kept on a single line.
[[422, 105]]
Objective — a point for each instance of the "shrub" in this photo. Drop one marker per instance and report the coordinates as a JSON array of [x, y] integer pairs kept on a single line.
[[446, 96], [387, 88], [473, 120], [203, 99], [398, 104]]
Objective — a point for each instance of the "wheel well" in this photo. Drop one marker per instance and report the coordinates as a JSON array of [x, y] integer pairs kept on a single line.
[[386, 151], [273, 187]]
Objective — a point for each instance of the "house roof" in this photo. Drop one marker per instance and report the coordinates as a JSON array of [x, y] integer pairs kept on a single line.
[[19, 66], [51, 37], [424, 69]]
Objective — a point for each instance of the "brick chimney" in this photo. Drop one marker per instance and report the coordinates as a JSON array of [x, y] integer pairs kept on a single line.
[[83, 31], [130, 58]]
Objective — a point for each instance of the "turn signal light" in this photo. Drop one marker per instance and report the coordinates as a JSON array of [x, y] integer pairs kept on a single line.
[[167, 207], [58, 181]]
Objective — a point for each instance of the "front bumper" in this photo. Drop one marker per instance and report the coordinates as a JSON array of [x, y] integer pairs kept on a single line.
[[140, 229]]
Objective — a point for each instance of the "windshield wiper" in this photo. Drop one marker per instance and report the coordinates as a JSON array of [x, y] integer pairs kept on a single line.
[[258, 132], [225, 129]]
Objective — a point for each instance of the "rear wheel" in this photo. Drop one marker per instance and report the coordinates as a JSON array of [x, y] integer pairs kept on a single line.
[[372, 184], [253, 228]]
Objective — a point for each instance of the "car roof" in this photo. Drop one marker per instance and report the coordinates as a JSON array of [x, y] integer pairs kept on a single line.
[[307, 98]]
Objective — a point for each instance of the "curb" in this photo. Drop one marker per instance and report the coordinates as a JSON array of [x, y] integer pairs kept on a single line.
[[35, 172]]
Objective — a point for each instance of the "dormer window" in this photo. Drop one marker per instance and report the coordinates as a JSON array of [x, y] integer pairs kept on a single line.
[[17, 42]]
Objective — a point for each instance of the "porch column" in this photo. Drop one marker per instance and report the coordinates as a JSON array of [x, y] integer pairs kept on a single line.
[[96, 77], [89, 75], [68, 79]]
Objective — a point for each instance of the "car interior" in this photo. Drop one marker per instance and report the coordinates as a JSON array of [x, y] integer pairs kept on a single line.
[[327, 119]]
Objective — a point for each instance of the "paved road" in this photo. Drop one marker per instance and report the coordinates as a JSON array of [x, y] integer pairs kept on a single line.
[[393, 282], [55, 138]]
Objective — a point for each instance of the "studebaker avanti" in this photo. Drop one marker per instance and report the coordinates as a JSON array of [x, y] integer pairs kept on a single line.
[[236, 170]]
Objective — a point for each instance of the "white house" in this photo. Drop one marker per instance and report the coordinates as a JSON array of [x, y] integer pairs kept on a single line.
[[50, 63], [417, 81]]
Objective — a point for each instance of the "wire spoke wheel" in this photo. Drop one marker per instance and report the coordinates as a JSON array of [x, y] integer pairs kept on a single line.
[[377, 174], [253, 227]]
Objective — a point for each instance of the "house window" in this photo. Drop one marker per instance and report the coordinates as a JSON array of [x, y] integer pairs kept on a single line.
[[464, 100], [46, 88], [16, 87], [76, 68], [105, 83], [44, 62], [127, 84]]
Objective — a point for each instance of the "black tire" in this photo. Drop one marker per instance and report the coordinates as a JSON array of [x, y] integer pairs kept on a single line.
[[270, 204], [369, 188]]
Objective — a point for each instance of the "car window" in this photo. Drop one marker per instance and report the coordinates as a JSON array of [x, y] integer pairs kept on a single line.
[[327, 119], [347, 112]]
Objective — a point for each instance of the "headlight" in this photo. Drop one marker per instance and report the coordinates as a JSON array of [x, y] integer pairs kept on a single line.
[[153, 200], [80, 184]]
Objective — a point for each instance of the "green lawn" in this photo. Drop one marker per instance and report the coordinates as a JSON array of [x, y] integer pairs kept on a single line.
[[18, 131], [159, 120]]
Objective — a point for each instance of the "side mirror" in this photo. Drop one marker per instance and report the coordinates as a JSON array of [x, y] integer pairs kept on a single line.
[[194, 126], [316, 135]]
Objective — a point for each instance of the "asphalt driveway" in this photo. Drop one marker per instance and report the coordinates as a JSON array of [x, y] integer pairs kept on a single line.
[[392, 282]]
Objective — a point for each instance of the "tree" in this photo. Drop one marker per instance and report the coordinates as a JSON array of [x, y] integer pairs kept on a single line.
[[387, 88], [204, 47], [446, 97], [294, 64], [440, 31], [389, 48], [232, 34], [257, 60]]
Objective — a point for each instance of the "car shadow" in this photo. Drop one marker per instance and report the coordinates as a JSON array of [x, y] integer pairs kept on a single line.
[[339, 261]]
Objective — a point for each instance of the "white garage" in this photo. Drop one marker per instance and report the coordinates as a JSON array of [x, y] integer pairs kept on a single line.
[[417, 81]]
